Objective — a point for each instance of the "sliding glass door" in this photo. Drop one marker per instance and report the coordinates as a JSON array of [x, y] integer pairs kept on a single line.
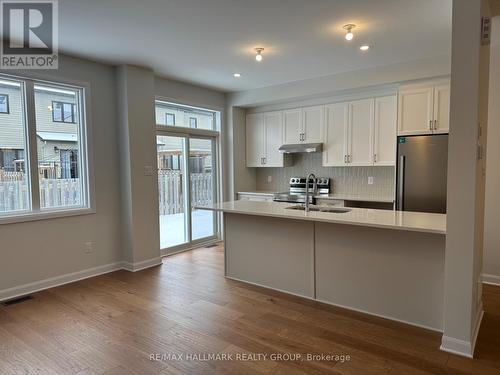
[[202, 179], [181, 223]]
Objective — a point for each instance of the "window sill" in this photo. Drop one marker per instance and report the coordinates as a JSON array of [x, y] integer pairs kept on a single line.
[[45, 215]]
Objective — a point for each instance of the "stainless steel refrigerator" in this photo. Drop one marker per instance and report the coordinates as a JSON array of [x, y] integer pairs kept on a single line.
[[421, 173]]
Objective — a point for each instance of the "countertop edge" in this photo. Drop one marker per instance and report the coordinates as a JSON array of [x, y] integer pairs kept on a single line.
[[329, 220]]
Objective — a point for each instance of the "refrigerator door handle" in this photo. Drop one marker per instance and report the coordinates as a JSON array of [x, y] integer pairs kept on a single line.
[[401, 183]]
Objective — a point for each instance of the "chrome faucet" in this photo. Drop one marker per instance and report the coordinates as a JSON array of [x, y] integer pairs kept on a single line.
[[315, 187]]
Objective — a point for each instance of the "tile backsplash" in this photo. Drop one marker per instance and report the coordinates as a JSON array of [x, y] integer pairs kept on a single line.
[[351, 181]]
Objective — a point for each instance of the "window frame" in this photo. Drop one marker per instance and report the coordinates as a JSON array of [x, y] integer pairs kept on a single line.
[[85, 150], [166, 119], [8, 104], [195, 123], [73, 117]]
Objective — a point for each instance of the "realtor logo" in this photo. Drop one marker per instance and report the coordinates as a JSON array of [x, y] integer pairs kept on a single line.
[[29, 34]]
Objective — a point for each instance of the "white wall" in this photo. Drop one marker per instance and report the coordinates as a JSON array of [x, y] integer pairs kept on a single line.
[[469, 72], [37, 250], [492, 210]]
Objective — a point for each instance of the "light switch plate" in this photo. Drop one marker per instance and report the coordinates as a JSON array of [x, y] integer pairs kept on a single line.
[[269, 178], [370, 180], [148, 170]]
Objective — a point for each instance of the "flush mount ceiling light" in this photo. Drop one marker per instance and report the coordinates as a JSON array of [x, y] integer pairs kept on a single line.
[[236, 75], [348, 28], [364, 48], [258, 56]]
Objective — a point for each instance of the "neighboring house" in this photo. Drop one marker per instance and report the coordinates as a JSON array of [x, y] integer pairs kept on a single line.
[[185, 117], [57, 119]]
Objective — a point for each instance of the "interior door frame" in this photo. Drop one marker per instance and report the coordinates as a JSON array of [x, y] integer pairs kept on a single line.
[[213, 136]]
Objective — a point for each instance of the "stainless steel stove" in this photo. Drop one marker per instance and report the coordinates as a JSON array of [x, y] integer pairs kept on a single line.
[[297, 191]]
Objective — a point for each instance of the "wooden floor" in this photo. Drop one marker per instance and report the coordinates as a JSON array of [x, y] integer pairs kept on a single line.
[[111, 324]]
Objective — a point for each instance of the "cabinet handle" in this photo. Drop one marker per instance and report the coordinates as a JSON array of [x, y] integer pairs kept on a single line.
[[430, 125], [374, 158], [435, 124], [265, 160], [345, 159], [262, 161]]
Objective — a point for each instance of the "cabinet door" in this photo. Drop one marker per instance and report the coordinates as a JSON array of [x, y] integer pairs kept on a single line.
[[254, 139], [442, 108], [273, 136], [415, 110], [385, 131], [292, 126], [335, 131], [360, 142], [313, 118]]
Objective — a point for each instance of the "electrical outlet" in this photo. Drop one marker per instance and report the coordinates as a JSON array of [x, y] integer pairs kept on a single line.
[[269, 178], [89, 247], [370, 180]]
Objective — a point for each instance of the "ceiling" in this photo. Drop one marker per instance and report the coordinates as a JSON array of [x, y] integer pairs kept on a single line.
[[206, 41]]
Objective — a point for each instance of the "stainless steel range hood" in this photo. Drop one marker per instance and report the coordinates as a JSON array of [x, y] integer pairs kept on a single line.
[[301, 147]]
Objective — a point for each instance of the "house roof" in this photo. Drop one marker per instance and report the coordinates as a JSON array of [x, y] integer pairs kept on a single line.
[[61, 137]]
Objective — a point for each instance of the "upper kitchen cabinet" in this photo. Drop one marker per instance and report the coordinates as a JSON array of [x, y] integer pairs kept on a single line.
[[424, 108], [361, 133], [312, 128], [292, 126], [303, 125], [442, 108], [254, 139], [384, 142], [335, 130], [273, 139], [264, 136]]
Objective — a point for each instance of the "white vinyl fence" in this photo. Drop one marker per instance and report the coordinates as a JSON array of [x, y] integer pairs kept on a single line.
[[53, 193], [170, 189]]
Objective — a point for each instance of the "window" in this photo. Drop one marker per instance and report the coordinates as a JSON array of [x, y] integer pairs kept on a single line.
[[170, 119], [52, 176], [4, 103], [188, 117], [63, 112]]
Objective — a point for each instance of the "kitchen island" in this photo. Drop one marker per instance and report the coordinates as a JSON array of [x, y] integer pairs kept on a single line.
[[385, 263]]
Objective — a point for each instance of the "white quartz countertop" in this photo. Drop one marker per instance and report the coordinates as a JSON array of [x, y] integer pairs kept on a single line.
[[341, 197], [399, 220]]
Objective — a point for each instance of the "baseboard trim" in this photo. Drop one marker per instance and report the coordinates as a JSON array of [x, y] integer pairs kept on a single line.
[[491, 279], [139, 266], [52, 282], [461, 347]]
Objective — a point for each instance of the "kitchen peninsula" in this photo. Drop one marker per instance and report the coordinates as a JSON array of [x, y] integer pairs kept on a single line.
[[385, 263]]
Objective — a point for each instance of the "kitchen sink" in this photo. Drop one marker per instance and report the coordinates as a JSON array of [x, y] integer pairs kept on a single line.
[[334, 210]]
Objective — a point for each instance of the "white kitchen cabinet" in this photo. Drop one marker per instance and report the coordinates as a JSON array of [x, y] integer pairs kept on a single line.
[[292, 126], [264, 136], [360, 133], [312, 124], [442, 108], [303, 125], [254, 139], [424, 108], [335, 131], [273, 139], [384, 143]]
